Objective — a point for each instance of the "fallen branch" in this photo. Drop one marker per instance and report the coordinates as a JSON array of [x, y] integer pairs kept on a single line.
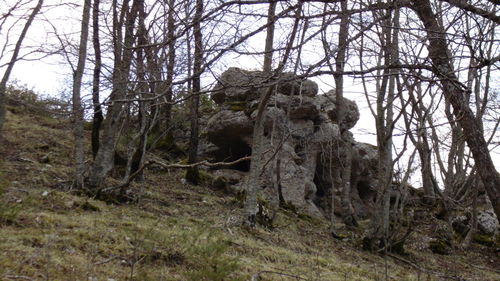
[[107, 260], [157, 161], [484, 268], [423, 269], [256, 276], [19, 277]]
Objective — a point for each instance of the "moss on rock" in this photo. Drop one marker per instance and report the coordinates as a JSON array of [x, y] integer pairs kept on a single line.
[[483, 240], [440, 247]]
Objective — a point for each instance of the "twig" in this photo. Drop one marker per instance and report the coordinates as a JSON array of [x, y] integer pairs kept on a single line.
[[256, 276], [19, 277], [201, 163], [484, 268], [106, 260], [437, 273], [154, 160], [406, 261]]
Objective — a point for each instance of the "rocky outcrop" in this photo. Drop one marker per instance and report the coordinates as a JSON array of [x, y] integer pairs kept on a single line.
[[487, 222], [300, 136]]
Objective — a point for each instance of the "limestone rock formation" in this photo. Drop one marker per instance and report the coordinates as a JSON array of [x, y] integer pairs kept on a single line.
[[487, 223], [300, 134]]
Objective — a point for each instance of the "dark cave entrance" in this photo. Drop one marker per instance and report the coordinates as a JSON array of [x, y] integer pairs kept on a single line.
[[366, 193], [234, 150]]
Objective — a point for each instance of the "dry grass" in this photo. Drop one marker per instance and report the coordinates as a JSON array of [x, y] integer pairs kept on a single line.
[[174, 231]]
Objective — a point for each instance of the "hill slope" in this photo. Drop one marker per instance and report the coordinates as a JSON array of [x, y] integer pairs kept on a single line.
[[175, 231]]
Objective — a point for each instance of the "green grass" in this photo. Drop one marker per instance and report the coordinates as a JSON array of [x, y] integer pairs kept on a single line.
[[173, 232]]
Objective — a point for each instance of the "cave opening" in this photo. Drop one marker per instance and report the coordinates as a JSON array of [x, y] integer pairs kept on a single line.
[[366, 193], [235, 150]]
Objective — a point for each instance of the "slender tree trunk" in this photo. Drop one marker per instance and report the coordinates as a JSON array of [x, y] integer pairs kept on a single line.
[[13, 59], [268, 49], [79, 157], [192, 174], [424, 152], [98, 116], [379, 231], [256, 165], [104, 160], [253, 182], [420, 140], [439, 54], [136, 144], [171, 63], [345, 145]]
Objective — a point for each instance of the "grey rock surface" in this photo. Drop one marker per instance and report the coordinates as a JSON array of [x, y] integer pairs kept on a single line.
[[300, 139], [487, 222]]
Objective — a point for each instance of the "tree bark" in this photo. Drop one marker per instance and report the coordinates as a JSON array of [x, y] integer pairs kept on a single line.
[[96, 103], [268, 49], [256, 165], [104, 160], [192, 174], [79, 157], [379, 232], [13, 59], [455, 94], [170, 64], [345, 144]]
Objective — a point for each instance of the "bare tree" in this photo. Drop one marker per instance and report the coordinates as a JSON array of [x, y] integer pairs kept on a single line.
[[98, 115], [192, 174], [14, 58], [258, 161], [104, 160], [455, 93], [379, 228], [343, 177], [171, 62], [268, 49], [77, 102]]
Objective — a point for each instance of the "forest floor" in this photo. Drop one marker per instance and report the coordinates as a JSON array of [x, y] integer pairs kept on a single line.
[[176, 231]]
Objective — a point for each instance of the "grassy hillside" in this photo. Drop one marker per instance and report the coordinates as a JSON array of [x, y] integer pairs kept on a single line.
[[176, 231]]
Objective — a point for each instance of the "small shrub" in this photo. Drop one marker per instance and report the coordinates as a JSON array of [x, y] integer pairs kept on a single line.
[[19, 96]]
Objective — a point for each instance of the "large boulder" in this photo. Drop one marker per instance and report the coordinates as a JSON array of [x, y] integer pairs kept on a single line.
[[289, 84], [228, 126], [326, 103], [238, 85], [300, 133], [487, 222]]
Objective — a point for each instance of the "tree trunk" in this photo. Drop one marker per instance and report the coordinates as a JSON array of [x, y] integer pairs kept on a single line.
[[137, 143], [439, 54], [170, 64], [13, 59], [104, 160], [379, 231], [253, 181], [192, 174], [420, 139], [256, 165], [98, 116], [345, 144], [268, 49], [77, 103]]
